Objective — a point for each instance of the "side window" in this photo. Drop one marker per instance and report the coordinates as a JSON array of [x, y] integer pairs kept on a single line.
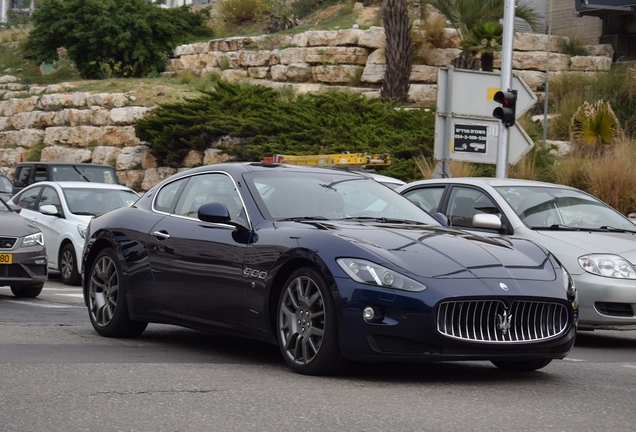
[[464, 203], [50, 197], [41, 173], [166, 197], [27, 199], [207, 188], [22, 175], [426, 198]]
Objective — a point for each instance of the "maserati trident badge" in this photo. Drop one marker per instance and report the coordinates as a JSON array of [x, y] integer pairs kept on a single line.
[[504, 322]]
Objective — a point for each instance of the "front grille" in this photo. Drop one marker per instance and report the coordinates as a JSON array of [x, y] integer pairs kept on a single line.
[[13, 271], [614, 309], [7, 242], [492, 321]]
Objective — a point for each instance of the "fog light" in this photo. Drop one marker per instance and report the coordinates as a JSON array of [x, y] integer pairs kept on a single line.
[[40, 261], [372, 314]]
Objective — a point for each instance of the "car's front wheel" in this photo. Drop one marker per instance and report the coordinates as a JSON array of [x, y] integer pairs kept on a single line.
[[307, 328], [107, 306], [27, 291], [68, 266], [522, 365]]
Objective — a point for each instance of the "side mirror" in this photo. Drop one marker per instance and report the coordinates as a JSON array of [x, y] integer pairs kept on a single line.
[[488, 221], [49, 209], [441, 218]]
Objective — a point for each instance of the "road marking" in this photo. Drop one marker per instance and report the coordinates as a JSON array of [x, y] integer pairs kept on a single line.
[[72, 295], [44, 305], [573, 359]]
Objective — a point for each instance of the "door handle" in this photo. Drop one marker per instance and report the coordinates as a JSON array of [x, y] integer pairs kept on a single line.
[[161, 235]]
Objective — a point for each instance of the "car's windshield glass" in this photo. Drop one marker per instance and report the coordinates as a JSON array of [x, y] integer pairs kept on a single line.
[[95, 174], [5, 184], [3, 207], [302, 194], [92, 201], [543, 207]]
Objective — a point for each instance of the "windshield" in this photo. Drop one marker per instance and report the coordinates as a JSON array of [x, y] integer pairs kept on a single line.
[[318, 195], [542, 207], [92, 201], [5, 184], [86, 173]]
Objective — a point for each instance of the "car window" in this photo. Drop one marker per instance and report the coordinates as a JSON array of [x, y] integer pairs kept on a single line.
[[542, 207], [207, 188], [465, 203], [166, 198], [22, 175], [88, 173], [50, 197], [28, 198], [5, 184], [426, 198], [292, 194], [93, 201]]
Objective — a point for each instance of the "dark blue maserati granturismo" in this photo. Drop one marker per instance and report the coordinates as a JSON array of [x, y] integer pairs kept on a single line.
[[331, 266]]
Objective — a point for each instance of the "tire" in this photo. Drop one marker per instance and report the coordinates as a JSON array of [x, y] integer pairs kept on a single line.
[[107, 306], [27, 291], [521, 365], [68, 266], [306, 325]]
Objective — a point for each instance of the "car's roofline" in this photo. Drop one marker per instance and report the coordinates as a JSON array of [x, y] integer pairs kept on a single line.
[[490, 181], [78, 185]]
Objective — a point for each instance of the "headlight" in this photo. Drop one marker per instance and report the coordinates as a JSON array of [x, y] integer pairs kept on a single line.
[[366, 272], [608, 265], [568, 283], [33, 240], [82, 230]]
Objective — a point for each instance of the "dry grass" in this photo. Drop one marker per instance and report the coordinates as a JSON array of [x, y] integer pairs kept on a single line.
[[457, 168]]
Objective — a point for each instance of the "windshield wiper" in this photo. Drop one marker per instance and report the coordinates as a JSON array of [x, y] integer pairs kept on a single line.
[[555, 227], [384, 220], [613, 229], [304, 218]]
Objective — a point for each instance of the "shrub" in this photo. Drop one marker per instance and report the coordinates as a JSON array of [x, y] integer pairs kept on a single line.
[[238, 11], [273, 123], [129, 38], [595, 127]]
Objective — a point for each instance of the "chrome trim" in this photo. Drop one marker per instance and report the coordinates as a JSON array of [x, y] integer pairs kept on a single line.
[[492, 321]]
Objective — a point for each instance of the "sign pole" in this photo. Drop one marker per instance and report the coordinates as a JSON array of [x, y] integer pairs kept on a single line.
[[506, 83]]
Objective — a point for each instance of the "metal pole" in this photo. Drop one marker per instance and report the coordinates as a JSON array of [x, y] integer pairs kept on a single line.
[[547, 79], [506, 83], [448, 122]]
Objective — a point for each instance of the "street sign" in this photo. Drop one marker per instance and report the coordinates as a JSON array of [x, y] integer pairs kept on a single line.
[[467, 126], [475, 141]]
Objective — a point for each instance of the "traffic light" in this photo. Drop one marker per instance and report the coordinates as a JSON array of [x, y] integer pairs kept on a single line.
[[506, 112]]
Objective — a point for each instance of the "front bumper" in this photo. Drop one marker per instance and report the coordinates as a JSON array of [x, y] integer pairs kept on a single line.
[[409, 327], [606, 303], [28, 268]]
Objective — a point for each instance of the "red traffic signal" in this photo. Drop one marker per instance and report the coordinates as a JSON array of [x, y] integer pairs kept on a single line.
[[507, 111]]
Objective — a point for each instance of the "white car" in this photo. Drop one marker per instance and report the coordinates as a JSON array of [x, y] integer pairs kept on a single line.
[[594, 242], [62, 210]]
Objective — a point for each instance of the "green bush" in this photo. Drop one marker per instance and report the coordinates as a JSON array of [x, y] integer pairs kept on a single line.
[[270, 123], [127, 38]]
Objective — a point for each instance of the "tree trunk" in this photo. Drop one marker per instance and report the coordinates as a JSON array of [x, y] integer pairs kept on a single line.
[[399, 51]]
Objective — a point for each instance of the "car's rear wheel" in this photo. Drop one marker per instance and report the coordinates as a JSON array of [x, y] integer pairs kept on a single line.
[[68, 266], [27, 291], [107, 306], [522, 365], [307, 328]]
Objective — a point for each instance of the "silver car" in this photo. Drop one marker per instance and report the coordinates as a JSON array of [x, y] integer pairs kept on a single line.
[[594, 242]]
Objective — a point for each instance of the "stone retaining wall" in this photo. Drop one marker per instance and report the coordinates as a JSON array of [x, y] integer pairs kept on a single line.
[[82, 127]]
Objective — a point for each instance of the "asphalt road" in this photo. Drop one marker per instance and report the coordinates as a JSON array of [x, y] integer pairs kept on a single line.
[[57, 374]]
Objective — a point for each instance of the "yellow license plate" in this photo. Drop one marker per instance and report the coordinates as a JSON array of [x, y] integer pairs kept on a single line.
[[6, 258]]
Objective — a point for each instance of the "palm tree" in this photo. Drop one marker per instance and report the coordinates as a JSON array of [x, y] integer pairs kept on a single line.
[[399, 50], [464, 15], [485, 39]]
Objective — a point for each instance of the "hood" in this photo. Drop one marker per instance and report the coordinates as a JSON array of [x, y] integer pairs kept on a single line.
[[433, 252], [14, 225], [584, 242]]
